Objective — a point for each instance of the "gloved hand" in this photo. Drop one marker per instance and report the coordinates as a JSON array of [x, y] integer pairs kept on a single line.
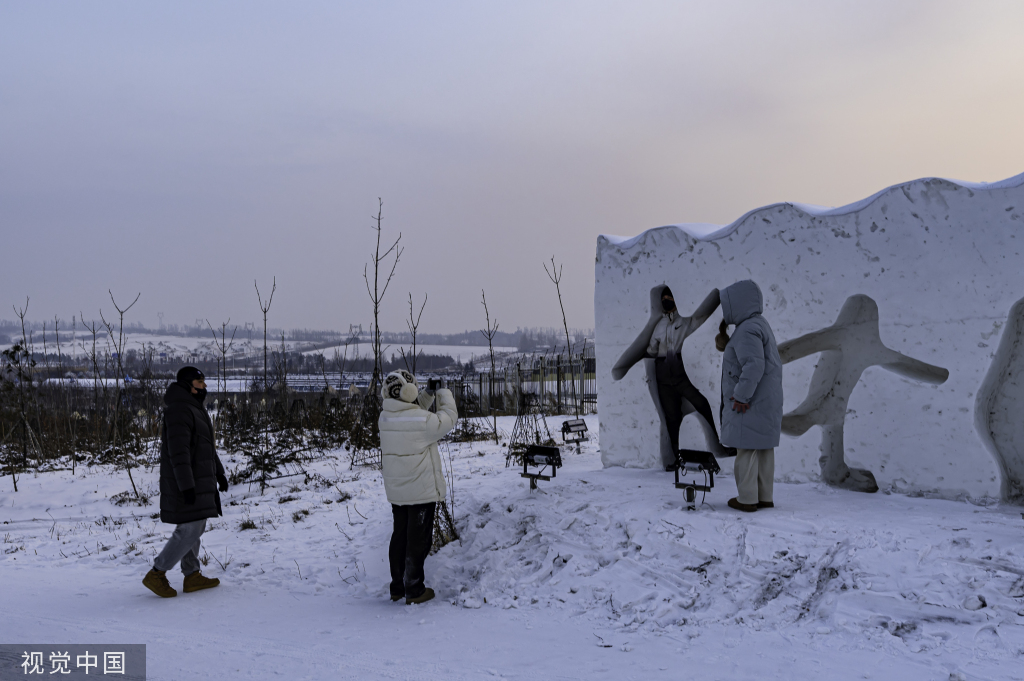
[[741, 407], [425, 399], [222, 483], [441, 384], [190, 495]]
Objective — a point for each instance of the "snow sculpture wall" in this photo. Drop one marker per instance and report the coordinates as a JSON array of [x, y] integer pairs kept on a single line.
[[1000, 408], [847, 348], [637, 352], [942, 261]]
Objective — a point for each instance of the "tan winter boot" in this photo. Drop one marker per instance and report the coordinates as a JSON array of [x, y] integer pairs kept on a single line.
[[156, 582], [196, 582], [427, 595]]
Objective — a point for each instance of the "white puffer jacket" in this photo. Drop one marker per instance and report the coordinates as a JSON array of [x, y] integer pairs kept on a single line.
[[408, 441]]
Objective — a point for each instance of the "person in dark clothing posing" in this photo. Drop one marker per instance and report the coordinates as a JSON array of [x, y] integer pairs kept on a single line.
[[674, 386], [674, 394], [190, 475]]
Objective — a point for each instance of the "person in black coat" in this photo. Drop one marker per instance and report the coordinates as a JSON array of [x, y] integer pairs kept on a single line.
[[191, 479]]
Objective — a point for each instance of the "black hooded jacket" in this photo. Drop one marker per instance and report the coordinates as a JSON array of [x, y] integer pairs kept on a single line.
[[188, 459]]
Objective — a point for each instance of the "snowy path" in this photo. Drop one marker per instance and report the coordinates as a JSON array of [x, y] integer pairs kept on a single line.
[[599, 574]]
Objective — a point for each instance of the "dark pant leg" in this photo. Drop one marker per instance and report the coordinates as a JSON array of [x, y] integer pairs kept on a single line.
[[674, 386], [397, 549], [671, 402], [420, 538], [699, 402]]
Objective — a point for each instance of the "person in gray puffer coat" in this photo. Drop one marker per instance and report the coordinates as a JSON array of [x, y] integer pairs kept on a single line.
[[752, 389]]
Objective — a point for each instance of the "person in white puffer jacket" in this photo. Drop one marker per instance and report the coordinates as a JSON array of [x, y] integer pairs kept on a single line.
[[413, 477]]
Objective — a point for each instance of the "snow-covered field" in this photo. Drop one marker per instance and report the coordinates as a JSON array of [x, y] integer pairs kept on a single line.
[[600, 574], [182, 348], [461, 353]]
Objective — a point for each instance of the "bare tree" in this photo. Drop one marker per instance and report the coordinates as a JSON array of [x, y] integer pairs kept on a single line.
[[118, 343], [264, 309], [340, 360], [378, 290], [51, 442], [283, 369], [91, 356], [65, 393], [223, 346], [555, 275], [12, 467], [24, 373], [489, 334], [414, 324], [323, 367], [17, 365]]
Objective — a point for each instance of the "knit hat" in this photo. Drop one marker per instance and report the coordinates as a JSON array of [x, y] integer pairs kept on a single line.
[[667, 292], [188, 374], [400, 385]]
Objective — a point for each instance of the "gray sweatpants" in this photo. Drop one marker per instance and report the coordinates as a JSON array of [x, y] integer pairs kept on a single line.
[[755, 475], [184, 546]]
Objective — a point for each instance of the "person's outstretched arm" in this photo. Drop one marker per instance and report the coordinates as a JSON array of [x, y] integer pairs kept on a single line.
[[705, 310], [639, 348]]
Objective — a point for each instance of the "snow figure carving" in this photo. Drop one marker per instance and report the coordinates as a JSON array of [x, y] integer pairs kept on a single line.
[[637, 351], [997, 412], [848, 347]]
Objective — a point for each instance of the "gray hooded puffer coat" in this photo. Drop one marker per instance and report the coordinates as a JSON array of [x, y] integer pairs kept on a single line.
[[751, 372]]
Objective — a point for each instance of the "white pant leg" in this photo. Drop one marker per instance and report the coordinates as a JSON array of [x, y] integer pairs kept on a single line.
[[745, 472], [765, 474]]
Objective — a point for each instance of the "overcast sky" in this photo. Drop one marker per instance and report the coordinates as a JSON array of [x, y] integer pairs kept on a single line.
[[182, 150]]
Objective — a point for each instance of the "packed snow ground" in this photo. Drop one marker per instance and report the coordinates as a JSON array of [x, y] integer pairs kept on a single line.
[[601, 573]]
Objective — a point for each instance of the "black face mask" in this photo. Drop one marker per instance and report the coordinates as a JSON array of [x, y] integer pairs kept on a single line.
[[200, 395], [668, 305]]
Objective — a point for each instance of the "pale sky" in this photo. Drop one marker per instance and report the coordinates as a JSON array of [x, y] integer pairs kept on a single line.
[[183, 149]]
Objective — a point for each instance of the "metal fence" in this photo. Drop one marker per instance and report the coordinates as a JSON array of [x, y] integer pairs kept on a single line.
[[564, 384]]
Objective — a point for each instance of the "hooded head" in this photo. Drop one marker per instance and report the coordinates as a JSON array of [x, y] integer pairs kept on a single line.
[[400, 385], [741, 301], [668, 301], [185, 377]]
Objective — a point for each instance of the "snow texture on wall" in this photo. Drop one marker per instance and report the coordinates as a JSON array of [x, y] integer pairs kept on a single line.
[[1000, 408], [847, 348], [942, 261]]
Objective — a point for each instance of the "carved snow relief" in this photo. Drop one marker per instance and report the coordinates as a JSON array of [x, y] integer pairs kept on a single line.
[[847, 348], [637, 352], [942, 260], [1000, 409]]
